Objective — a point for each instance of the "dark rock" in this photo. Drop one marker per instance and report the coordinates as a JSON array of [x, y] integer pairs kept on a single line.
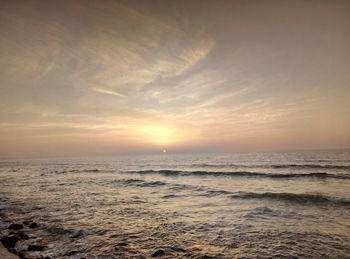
[[178, 249], [233, 245], [23, 236], [13, 251], [15, 226], [26, 222], [10, 240], [24, 255], [122, 244], [57, 230], [36, 248], [20, 235], [71, 253], [33, 225], [159, 252], [78, 234]]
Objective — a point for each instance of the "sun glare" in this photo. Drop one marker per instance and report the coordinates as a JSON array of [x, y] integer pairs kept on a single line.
[[159, 134]]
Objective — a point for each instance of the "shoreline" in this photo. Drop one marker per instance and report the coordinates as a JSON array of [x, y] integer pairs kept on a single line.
[[228, 207], [5, 254], [16, 238], [19, 239]]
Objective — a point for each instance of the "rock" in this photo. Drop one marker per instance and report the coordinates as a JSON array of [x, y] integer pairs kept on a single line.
[[23, 236], [10, 240], [122, 244], [5, 254], [78, 234], [36, 248], [24, 255], [58, 230], [178, 249], [15, 226], [70, 253], [26, 222], [13, 251], [33, 225], [159, 252], [20, 235]]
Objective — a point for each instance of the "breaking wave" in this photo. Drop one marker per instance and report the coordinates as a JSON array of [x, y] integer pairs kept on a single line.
[[302, 198], [242, 174], [277, 166]]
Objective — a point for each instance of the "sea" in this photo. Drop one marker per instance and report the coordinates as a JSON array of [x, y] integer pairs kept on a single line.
[[205, 205]]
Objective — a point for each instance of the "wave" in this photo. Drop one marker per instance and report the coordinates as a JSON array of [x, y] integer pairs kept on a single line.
[[91, 170], [241, 174], [140, 183], [211, 193], [130, 181], [303, 198], [261, 212], [312, 166], [170, 196], [276, 166]]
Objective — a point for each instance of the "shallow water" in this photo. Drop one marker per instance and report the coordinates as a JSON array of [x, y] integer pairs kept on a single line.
[[244, 205]]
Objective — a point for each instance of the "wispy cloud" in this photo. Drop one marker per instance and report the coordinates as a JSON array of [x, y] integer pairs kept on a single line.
[[104, 91], [127, 71]]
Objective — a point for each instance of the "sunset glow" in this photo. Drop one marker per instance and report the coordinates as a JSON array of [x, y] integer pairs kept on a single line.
[[158, 134], [174, 129], [126, 76]]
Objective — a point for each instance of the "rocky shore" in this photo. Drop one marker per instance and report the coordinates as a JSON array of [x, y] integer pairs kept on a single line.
[[18, 235], [5, 254], [17, 241]]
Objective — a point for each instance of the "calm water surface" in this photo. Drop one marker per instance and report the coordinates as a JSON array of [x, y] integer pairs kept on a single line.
[[246, 205]]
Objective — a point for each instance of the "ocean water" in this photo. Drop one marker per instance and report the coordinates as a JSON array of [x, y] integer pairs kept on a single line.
[[241, 205]]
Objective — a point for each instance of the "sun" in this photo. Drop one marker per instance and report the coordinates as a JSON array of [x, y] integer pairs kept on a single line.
[[158, 134]]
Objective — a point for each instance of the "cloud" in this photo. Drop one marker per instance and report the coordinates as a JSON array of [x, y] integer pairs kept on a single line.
[[104, 91], [203, 72]]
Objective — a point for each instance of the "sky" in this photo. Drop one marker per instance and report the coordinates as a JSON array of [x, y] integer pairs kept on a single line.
[[108, 77]]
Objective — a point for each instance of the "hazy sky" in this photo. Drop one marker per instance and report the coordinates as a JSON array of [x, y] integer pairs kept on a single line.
[[104, 77]]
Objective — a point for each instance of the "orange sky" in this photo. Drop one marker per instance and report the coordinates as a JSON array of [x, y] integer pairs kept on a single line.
[[107, 77]]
